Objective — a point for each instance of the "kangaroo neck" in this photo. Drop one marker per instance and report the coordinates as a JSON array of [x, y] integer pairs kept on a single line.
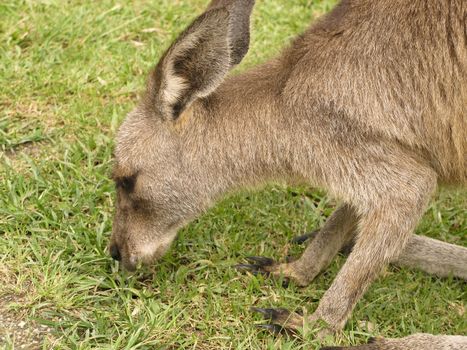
[[238, 136]]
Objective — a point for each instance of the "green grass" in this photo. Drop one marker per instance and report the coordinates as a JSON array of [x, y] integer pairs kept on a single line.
[[69, 71]]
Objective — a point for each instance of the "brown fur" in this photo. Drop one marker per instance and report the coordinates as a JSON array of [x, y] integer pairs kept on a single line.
[[369, 104]]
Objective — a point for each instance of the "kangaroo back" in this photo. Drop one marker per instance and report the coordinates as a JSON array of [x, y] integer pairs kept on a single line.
[[395, 69]]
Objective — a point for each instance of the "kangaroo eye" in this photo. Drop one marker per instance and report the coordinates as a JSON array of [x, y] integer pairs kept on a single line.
[[127, 183]]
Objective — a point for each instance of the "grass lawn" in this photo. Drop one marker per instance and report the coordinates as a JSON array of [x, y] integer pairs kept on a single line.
[[69, 71]]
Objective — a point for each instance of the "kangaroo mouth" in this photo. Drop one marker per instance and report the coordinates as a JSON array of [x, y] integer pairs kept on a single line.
[[130, 266]]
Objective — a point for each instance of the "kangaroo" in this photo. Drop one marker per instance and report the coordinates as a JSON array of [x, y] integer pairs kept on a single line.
[[369, 104]]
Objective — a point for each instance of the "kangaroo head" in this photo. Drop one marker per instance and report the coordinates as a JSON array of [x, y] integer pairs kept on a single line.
[[156, 193]]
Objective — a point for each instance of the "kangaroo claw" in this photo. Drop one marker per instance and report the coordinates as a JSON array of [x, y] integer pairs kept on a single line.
[[261, 266], [260, 260], [280, 321], [273, 328], [255, 270], [258, 265], [272, 314], [303, 238]]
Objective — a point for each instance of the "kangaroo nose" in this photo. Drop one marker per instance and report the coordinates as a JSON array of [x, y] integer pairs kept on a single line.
[[115, 253]]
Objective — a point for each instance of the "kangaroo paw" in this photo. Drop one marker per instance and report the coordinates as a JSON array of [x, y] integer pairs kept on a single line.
[[282, 321], [273, 328], [285, 272], [259, 265]]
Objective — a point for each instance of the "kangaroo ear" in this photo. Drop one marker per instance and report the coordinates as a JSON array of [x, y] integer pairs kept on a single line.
[[240, 12], [198, 61]]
